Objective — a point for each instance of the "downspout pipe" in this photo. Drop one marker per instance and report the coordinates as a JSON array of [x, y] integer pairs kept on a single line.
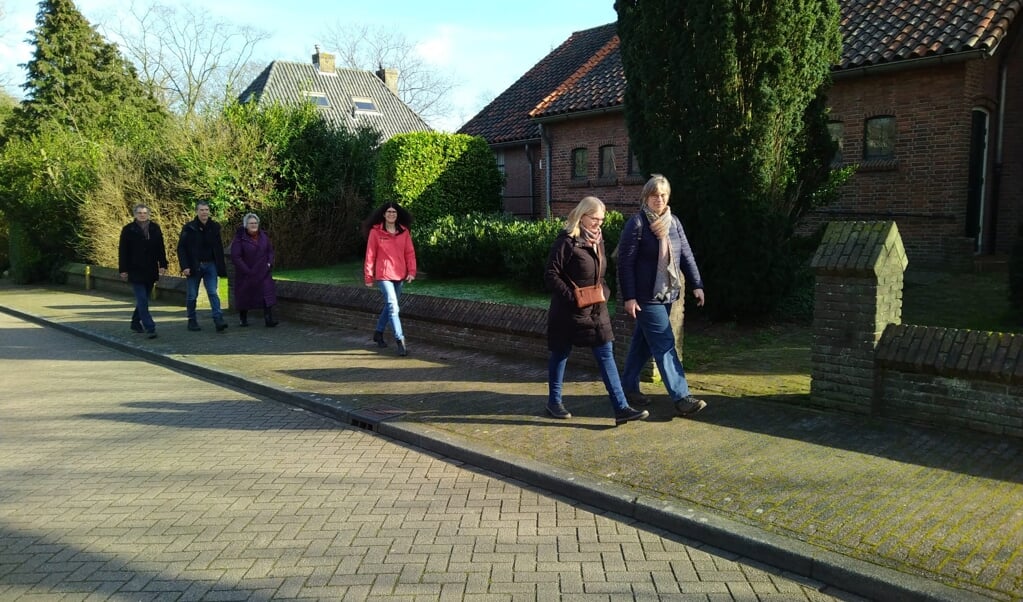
[[531, 160], [545, 143], [996, 185]]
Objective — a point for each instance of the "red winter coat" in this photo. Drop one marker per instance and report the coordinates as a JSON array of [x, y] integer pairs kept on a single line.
[[389, 256]]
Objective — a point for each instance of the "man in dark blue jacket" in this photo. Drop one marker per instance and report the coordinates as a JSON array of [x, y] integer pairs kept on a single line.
[[201, 255]]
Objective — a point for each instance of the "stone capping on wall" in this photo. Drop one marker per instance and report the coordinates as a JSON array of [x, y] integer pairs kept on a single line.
[[951, 352], [476, 324], [858, 247]]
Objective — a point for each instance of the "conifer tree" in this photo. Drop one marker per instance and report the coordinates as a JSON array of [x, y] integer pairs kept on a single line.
[[725, 98], [82, 97], [78, 79]]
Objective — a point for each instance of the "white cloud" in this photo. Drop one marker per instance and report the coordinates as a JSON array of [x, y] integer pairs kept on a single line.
[[439, 49]]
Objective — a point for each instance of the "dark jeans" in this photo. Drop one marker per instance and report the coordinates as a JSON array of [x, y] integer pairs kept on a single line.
[[141, 315], [604, 355], [208, 275]]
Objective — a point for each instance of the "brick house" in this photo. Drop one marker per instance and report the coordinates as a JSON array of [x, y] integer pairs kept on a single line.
[[927, 99], [348, 97]]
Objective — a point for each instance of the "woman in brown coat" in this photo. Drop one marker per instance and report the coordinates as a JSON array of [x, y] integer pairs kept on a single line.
[[577, 259]]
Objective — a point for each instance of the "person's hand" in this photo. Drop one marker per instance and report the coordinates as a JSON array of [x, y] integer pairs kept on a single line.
[[409, 278], [698, 293], [186, 272], [631, 307], [163, 271], [124, 275], [369, 285]]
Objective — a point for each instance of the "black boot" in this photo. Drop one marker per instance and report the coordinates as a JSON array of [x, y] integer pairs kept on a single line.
[[402, 351], [268, 317], [243, 317], [378, 338]]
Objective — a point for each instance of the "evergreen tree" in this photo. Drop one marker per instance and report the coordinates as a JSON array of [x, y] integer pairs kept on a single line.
[[725, 98], [82, 96], [79, 80]]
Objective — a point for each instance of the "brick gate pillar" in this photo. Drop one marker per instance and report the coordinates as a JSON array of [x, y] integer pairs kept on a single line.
[[859, 268]]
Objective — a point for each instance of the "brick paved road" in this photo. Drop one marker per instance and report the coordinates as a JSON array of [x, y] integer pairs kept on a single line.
[[111, 491]]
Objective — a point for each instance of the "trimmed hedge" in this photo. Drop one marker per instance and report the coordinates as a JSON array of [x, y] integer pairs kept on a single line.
[[433, 174], [492, 245]]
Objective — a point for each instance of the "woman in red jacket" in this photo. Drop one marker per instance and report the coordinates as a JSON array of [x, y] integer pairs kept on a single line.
[[390, 262]]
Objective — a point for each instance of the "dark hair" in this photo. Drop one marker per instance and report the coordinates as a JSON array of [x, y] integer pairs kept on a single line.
[[201, 204], [377, 217]]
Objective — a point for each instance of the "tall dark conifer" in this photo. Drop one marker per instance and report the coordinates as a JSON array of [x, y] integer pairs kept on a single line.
[[724, 97], [78, 79]]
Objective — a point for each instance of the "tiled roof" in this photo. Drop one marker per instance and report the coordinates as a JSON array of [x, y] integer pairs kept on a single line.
[[585, 72], [884, 31], [285, 82], [506, 118]]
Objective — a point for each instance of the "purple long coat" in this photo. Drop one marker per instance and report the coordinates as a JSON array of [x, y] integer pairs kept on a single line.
[[253, 260]]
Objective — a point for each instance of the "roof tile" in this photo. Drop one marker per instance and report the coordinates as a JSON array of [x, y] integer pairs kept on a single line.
[[281, 80], [585, 72]]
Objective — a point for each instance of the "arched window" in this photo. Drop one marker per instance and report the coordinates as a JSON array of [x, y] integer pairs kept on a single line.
[[607, 161], [579, 163], [879, 138], [837, 131]]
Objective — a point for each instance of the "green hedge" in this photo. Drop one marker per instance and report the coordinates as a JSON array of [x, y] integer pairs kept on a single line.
[[485, 245], [434, 174]]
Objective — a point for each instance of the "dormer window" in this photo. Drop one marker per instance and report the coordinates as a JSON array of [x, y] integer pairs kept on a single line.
[[362, 104], [317, 98]]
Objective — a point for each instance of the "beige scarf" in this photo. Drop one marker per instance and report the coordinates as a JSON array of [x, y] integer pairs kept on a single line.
[[668, 281]]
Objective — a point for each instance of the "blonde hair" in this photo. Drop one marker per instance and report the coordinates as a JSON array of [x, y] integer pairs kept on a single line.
[[587, 206], [656, 183]]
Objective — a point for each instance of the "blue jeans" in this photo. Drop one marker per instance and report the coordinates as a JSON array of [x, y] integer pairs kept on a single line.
[[604, 354], [391, 290], [654, 338], [208, 274], [141, 314]]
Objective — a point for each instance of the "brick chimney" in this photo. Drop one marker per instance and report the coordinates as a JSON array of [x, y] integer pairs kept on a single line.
[[324, 61], [389, 77]]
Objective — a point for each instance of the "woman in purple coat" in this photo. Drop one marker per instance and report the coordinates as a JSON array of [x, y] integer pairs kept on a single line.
[[253, 256]]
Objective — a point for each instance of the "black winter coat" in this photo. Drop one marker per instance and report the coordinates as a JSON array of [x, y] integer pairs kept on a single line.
[[566, 323], [140, 257], [190, 245]]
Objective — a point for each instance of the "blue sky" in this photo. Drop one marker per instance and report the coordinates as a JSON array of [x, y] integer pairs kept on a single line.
[[483, 46]]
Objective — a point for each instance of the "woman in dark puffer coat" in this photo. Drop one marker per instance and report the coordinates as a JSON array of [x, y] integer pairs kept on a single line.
[[577, 258]]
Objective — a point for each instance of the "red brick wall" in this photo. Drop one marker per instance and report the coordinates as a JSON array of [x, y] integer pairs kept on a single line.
[[925, 188], [621, 192]]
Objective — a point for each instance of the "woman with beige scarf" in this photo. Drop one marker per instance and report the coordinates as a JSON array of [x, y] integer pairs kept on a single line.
[[654, 264]]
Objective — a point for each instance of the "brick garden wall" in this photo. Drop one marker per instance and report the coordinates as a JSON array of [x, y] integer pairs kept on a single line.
[[865, 361], [493, 327], [962, 378]]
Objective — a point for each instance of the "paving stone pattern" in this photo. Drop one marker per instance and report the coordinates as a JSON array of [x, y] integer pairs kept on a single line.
[[121, 480]]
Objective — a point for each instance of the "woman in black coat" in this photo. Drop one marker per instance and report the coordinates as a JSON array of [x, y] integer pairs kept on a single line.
[[577, 259], [141, 260]]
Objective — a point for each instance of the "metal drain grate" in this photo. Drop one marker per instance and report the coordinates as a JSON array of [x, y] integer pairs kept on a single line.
[[369, 418]]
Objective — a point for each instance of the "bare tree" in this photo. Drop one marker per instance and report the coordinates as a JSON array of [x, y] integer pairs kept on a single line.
[[421, 87], [193, 59]]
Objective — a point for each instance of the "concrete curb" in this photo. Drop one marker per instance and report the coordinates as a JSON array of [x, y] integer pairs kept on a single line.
[[785, 553]]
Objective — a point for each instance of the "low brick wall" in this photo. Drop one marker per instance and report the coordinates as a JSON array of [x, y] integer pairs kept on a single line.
[[948, 376], [494, 327]]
